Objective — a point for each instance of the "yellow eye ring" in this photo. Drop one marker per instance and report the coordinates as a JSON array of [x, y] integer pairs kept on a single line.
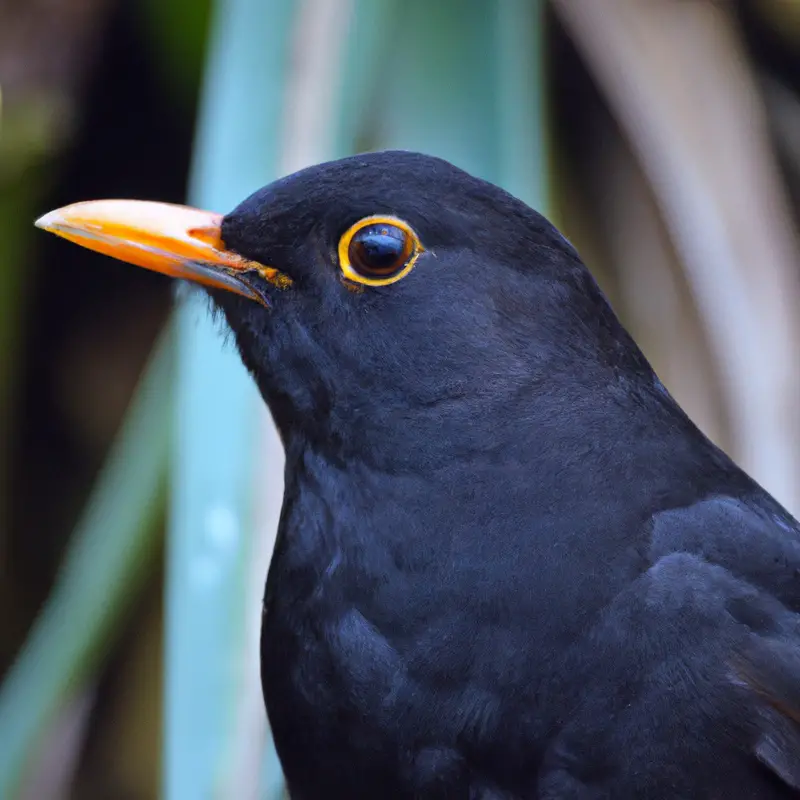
[[378, 250]]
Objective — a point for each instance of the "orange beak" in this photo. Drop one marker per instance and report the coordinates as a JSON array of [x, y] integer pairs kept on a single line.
[[176, 240]]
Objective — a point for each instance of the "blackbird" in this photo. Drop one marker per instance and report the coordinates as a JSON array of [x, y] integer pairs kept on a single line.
[[508, 564]]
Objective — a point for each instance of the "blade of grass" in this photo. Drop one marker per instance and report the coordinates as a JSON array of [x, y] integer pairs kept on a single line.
[[714, 175], [439, 84], [365, 44], [109, 554], [210, 542], [468, 87], [520, 81]]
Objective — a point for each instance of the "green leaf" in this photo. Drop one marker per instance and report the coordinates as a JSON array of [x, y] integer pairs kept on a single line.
[[109, 554], [210, 541]]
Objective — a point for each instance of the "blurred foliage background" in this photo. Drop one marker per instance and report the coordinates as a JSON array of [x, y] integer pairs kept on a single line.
[[135, 521]]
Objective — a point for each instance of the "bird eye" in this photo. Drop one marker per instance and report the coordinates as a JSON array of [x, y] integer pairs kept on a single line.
[[378, 250]]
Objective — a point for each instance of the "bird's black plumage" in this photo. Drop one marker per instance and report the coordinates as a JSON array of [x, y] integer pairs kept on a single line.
[[508, 565]]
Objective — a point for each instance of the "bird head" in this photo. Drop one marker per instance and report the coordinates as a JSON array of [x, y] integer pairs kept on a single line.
[[379, 296]]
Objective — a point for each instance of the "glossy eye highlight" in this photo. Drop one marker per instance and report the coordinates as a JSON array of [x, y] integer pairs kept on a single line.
[[377, 251]]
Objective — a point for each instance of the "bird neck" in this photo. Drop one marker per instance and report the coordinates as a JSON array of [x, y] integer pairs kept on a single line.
[[514, 421]]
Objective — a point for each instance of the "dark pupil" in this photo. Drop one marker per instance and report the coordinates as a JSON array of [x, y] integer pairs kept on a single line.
[[379, 248]]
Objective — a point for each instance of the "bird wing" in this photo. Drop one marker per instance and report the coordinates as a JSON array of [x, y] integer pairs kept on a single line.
[[698, 661], [758, 544], [771, 672]]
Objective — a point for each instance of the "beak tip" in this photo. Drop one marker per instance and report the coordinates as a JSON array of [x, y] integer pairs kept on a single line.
[[48, 221]]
